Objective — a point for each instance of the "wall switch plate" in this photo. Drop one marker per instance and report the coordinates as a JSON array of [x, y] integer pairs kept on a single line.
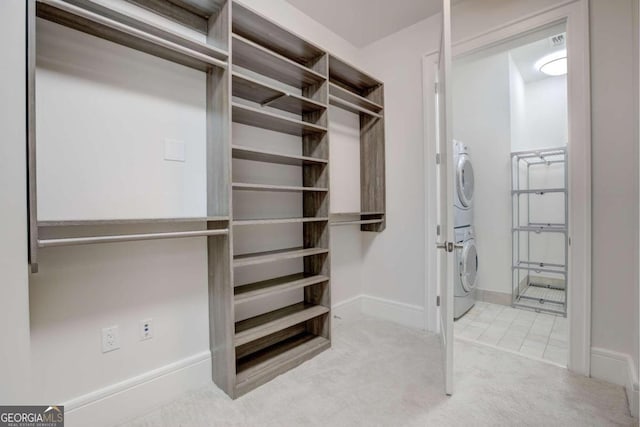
[[110, 339], [146, 329], [174, 150]]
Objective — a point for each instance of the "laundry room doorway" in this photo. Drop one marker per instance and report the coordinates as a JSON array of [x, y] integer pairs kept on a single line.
[[520, 144]]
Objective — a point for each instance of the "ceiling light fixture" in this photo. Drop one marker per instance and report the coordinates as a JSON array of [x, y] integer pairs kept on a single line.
[[554, 64]]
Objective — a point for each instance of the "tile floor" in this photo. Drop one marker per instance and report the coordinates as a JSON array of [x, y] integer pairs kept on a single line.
[[539, 335]]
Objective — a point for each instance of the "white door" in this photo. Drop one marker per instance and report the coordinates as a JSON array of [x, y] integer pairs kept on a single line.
[[446, 238]]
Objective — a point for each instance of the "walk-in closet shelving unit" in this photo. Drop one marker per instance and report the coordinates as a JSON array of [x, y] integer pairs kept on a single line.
[[278, 82], [538, 284], [359, 93]]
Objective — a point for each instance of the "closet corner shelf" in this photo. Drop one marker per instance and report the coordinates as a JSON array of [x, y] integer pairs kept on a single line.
[[350, 76], [257, 155], [353, 108], [277, 188], [136, 33], [357, 222], [256, 290], [254, 57], [274, 256], [276, 221], [353, 98], [269, 323], [267, 120], [268, 95]]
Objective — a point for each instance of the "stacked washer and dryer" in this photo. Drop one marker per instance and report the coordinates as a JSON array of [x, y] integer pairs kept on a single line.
[[466, 265]]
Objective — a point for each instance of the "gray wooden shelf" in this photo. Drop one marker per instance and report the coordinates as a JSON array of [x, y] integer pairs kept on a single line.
[[353, 98], [275, 221], [357, 222], [257, 155], [353, 108], [274, 256], [276, 188], [254, 57], [268, 95], [336, 214], [256, 290], [136, 33], [349, 76], [253, 26], [274, 321], [266, 120], [262, 366], [192, 13]]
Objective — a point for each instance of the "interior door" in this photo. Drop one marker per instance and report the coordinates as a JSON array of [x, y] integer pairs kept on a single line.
[[446, 239]]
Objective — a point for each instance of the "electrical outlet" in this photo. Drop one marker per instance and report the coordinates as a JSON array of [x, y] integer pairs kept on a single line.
[[146, 330], [110, 339]]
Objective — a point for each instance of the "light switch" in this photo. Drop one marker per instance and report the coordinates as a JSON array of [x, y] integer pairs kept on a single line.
[[174, 150]]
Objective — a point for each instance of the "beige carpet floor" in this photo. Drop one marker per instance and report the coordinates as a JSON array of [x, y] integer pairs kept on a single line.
[[380, 374]]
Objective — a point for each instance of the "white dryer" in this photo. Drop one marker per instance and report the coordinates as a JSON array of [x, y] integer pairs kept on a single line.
[[465, 271], [464, 185]]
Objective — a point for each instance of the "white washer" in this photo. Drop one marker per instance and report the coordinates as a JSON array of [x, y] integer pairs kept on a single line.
[[465, 183], [465, 271]]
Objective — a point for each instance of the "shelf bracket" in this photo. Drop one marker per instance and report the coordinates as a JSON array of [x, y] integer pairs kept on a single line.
[[273, 99]]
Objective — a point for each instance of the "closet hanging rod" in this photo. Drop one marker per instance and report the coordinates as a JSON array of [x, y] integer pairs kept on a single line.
[[72, 241]]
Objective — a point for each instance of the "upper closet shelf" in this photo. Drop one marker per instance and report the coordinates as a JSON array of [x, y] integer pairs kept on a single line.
[[255, 27], [267, 120], [192, 13], [254, 57], [136, 33], [132, 221], [266, 95], [349, 76], [256, 155], [352, 98]]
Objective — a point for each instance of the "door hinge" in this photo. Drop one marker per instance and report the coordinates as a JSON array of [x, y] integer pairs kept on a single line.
[[435, 87], [437, 158], [438, 301], [438, 230]]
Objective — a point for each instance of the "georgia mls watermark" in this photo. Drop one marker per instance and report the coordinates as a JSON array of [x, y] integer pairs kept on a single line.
[[32, 416]]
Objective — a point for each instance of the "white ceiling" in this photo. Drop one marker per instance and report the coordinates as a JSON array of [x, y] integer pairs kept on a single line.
[[364, 21], [526, 56]]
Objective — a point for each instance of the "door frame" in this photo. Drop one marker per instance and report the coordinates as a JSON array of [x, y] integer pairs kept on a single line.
[[576, 15]]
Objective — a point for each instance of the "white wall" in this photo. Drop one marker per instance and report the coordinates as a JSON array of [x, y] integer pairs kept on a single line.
[[482, 120], [394, 266], [615, 178], [14, 289], [545, 124]]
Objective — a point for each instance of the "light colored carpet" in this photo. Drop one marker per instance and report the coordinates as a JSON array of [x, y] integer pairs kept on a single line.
[[381, 374]]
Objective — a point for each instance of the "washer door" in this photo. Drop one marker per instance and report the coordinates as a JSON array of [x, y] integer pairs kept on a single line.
[[465, 181], [468, 265]]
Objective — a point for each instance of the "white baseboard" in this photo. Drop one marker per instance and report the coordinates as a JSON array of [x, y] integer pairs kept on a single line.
[[409, 315], [616, 368], [348, 310], [140, 394]]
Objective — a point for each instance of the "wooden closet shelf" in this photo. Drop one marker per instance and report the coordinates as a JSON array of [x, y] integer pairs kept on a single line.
[[257, 155], [127, 221], [268, 95], [252, 291], [348, 75], [192, 13], [353, 108], [254, 57], [354, 98], [274, 221], [267, 120], [366, 213], [277, 255], [269, 323], [357, 222], [262, 31], [262, 366], [136, 33], [277, 188]]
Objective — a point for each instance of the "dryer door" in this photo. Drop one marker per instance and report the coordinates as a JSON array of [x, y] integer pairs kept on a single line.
[[465, 180], [469, 265]]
